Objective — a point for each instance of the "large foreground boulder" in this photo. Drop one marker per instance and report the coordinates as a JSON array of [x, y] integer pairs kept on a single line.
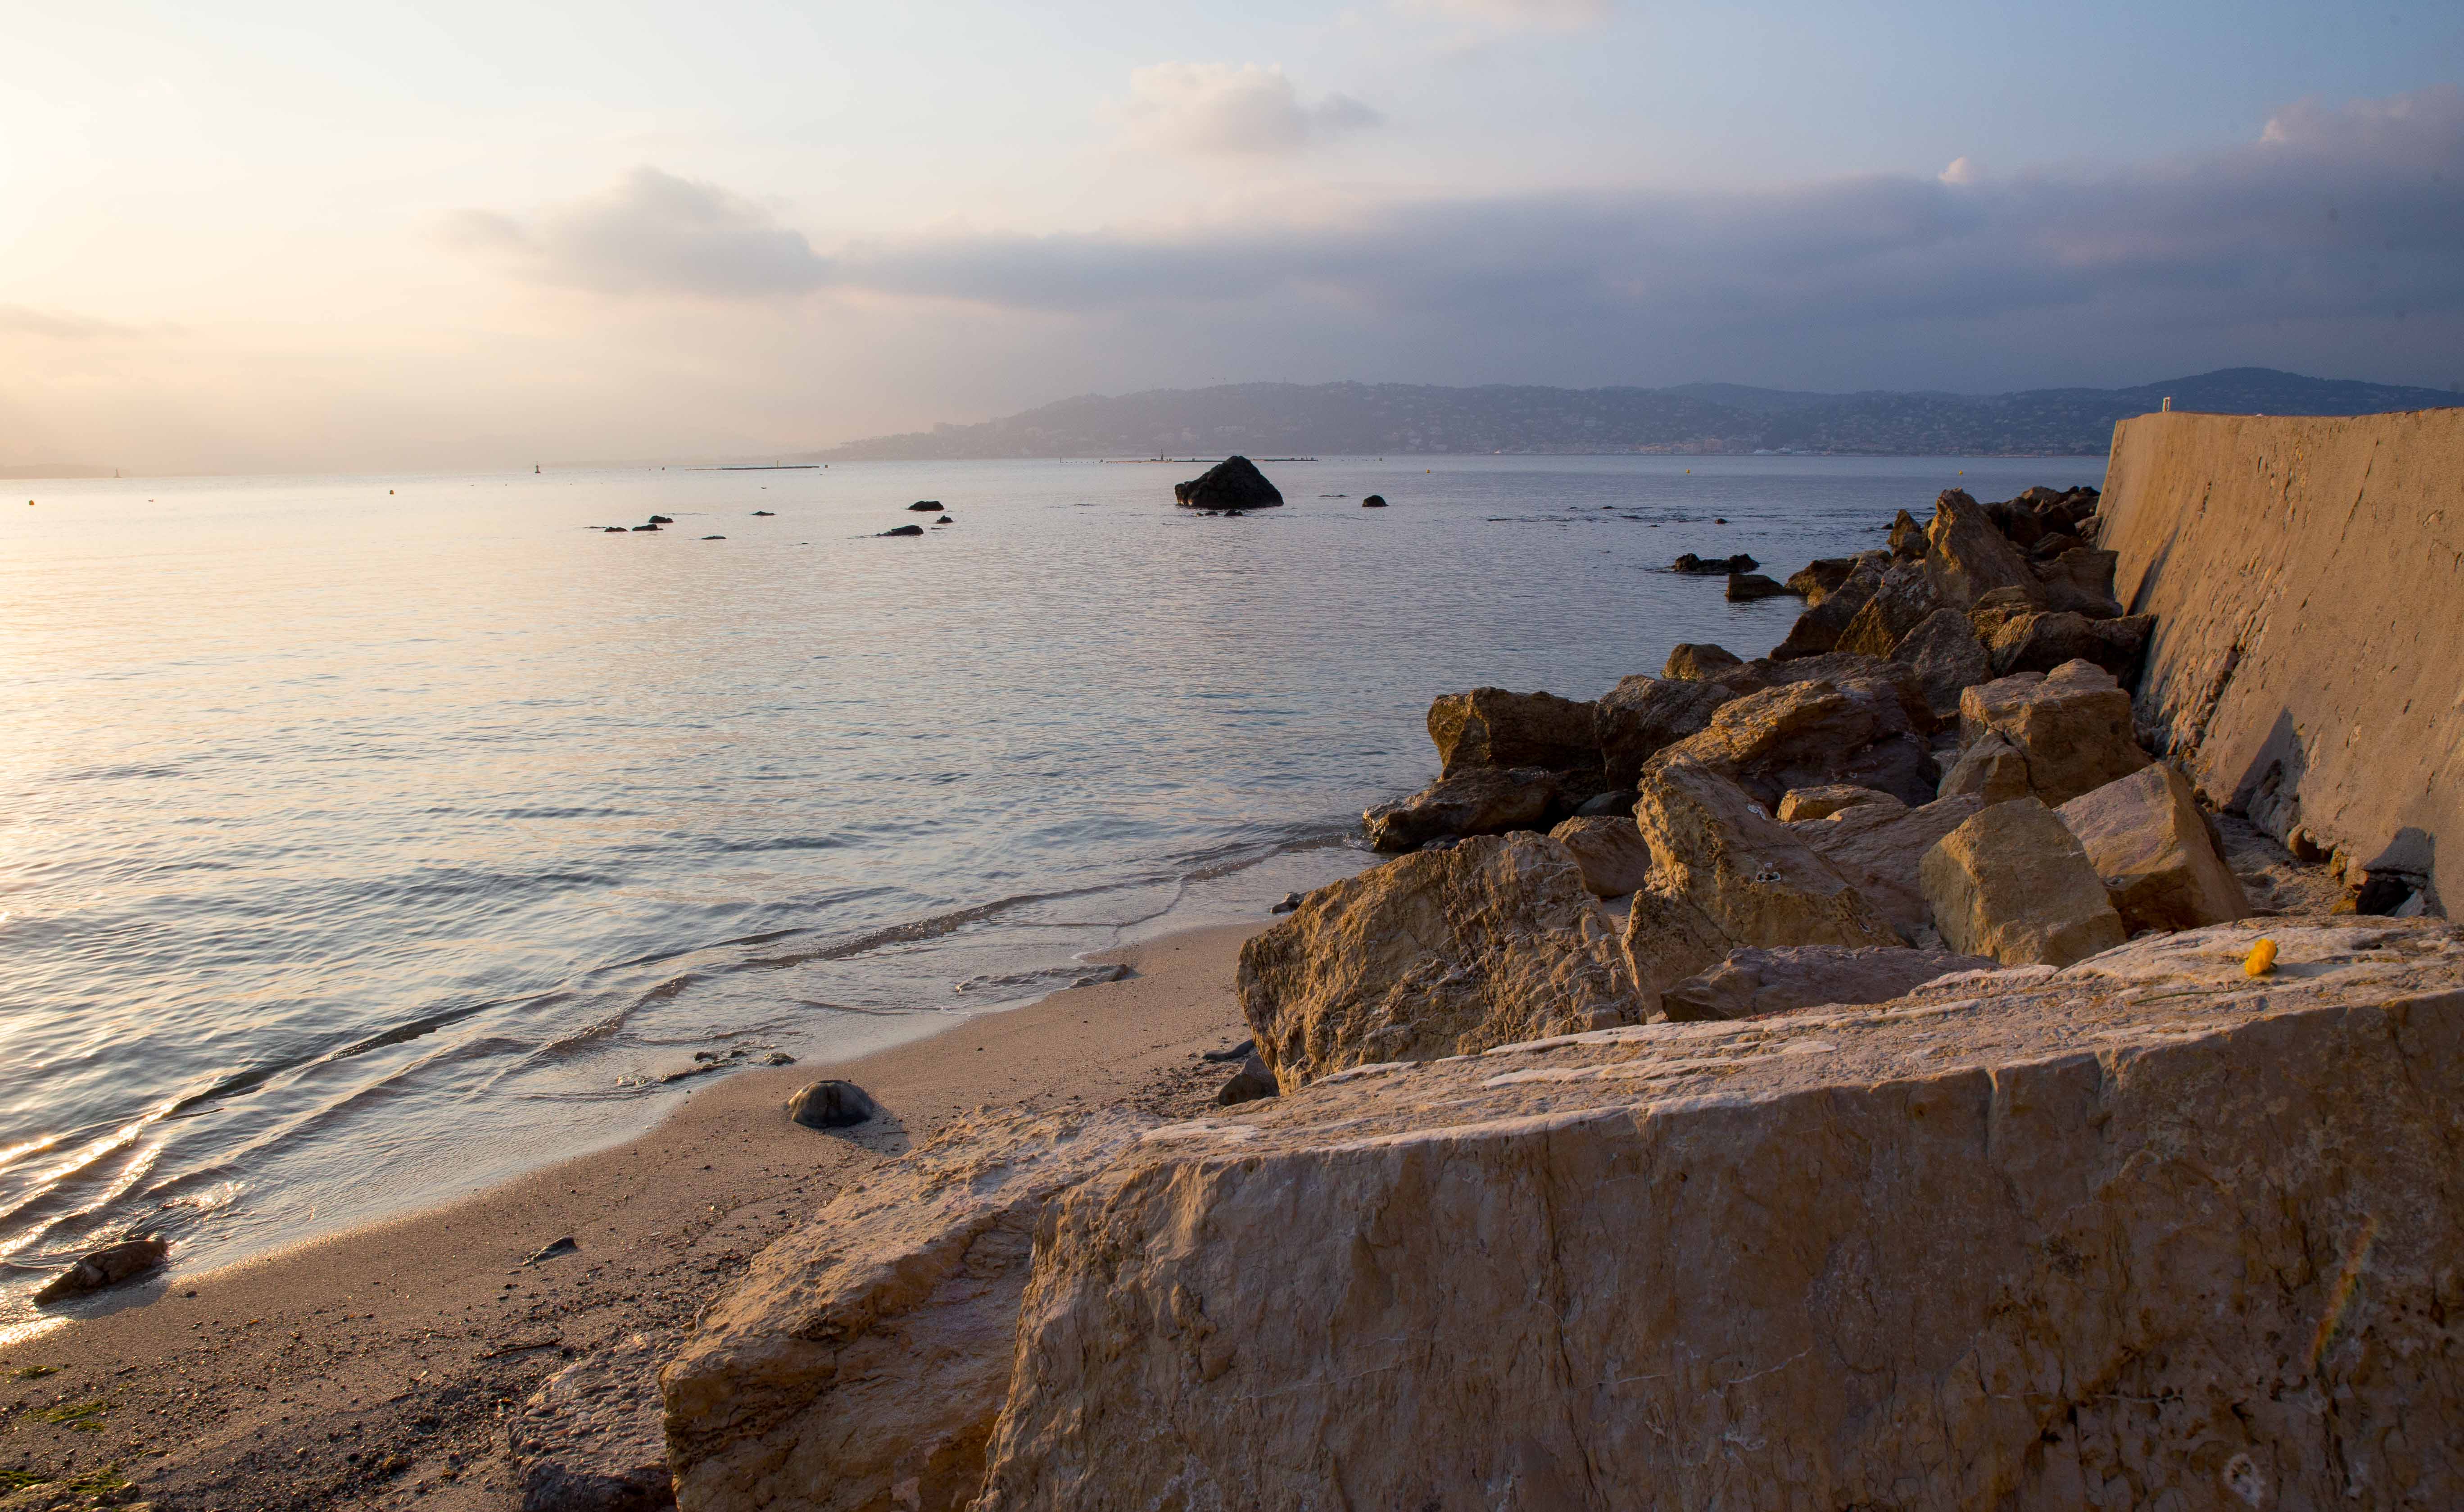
[[2013, 884], [2128, 1236], [1492, 727], [861, 1362], [1436, 954], [2147, 839], [1748, 984], [1477, 800], [2071, 727], [1232, 483], [1713, 846]]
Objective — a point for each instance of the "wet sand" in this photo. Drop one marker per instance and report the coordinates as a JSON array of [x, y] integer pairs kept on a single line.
[[377, 1369]]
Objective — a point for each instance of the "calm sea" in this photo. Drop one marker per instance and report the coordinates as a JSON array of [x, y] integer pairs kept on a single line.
[[366, 840]]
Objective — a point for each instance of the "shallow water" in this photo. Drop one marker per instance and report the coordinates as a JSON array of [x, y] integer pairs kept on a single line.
[[365, 840]]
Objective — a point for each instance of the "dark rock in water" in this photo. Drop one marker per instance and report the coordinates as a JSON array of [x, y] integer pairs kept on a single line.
[[904, 531], [1231, 485], [925, 506], [833, 1105], [592, 1438], [945, 520], [1744, 587], [646, 527], [661, 520], [1821, 576], [1252, 1081], [611, 530], [1373, 501], [556, 1249], [1239, 1052], [1690, 563], [1234, 514], [760, 513], [107, 1266], [713, 538], [1291, 901]]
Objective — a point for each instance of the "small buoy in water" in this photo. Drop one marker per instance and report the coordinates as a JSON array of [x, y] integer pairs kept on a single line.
[[2261, 959]]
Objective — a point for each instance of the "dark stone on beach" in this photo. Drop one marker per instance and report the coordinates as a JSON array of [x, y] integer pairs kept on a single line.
[[1690, 563], [108, 1266], [925, 506], [661, 520], [1373, 501], [833, 1105], [1252, 1081], [556, 1250], [611, 530], [945, 520], [646, 527], [1231, 485], [760, 513], [1744, 587], [1291, 901], [904, 531], [713, 538], [1239, 1052]]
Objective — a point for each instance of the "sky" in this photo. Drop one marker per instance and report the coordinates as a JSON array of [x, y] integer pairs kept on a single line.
[[303, 237]]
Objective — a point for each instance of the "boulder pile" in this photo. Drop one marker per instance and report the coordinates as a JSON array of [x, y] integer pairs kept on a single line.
[[1849, 1076]]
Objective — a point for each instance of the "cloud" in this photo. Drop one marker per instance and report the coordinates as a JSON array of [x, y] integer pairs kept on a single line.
[[2328, 240], [1960, 171], [655, 232], [1515, 15], [17, 320], [1223, 109]]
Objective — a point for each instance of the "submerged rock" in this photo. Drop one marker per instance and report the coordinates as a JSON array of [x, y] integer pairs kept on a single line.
[[1231, 484], [925, 506], [108, 1266], [1692, 564], [904, 531], [1436, 954]]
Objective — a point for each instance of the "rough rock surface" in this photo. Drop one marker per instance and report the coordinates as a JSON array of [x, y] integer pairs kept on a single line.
[[1881, 851], [1666, 939], [2072, 725], [1436, 954], [1492, 727], [2012, 882], [1992, 769], [2081, 580], [1477, 800], [1818, 629], [1906, 596], [1749, 983], [1749, 875], [1699, 663], [1969, 558], [861, 1362], [1811, 735], [2303, 572], [591, 1438], [1822, 803], [1820, 576], [1609, 851], [2042, 642], [1642, 716], [1744, 587], [1232, 483], [1947, 659], [2145, 835], [2138, 1233], [107, 1266]]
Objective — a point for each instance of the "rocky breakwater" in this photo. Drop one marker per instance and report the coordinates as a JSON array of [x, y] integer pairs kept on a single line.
[[2142, 1231]]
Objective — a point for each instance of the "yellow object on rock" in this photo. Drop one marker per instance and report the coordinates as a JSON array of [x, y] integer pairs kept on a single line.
[[2261, 959]]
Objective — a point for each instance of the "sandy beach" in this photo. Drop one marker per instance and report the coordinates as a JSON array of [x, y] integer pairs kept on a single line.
[[377, 1369]]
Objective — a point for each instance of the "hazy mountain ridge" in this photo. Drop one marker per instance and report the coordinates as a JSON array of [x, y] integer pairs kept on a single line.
[[1269, 419]]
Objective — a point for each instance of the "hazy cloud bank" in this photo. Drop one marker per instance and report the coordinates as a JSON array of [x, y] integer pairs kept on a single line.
[[1240, 111]]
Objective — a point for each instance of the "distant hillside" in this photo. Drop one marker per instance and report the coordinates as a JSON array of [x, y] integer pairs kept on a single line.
[[1272, 419]]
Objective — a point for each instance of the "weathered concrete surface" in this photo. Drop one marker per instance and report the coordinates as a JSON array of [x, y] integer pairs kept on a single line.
[[859, 1365], [2141, 1232], [1436, 954], [2303, 572]]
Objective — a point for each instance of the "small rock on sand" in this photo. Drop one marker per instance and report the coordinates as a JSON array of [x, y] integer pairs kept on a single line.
[[833, 1105]]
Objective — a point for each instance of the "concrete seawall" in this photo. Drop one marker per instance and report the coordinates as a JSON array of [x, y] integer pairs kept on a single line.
[[2308, 661]]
